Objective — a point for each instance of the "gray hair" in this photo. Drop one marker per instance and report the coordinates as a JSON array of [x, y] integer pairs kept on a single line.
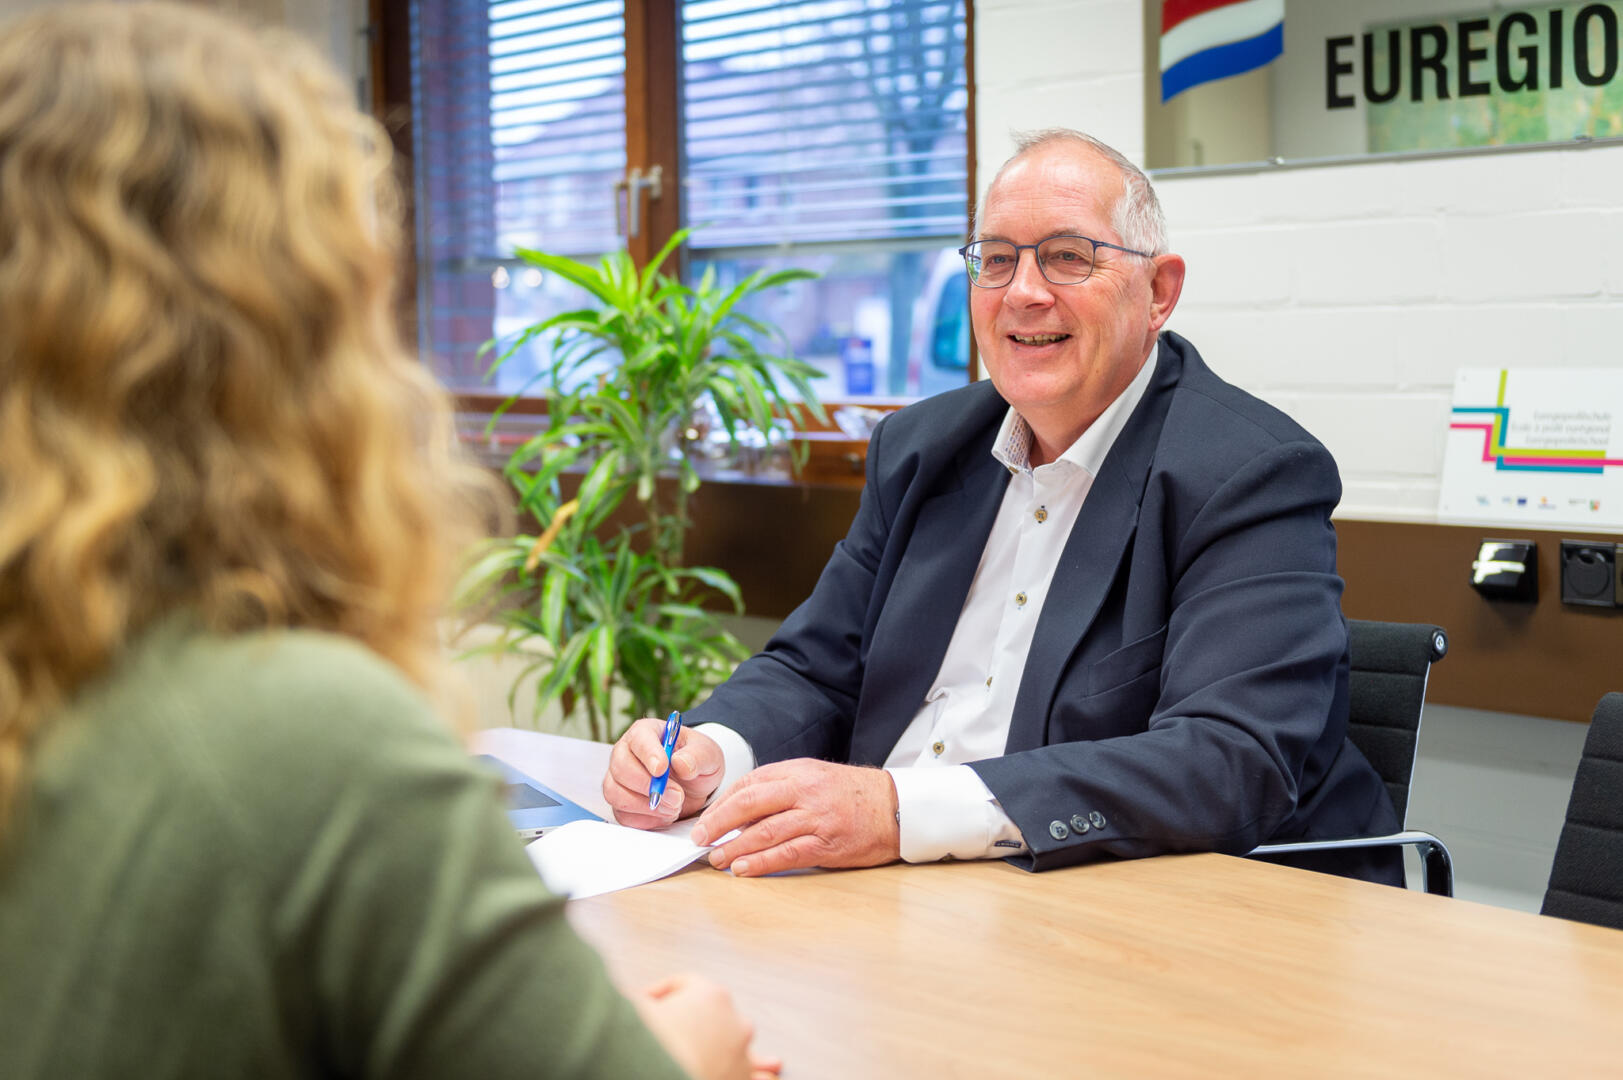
[[1136, 217]]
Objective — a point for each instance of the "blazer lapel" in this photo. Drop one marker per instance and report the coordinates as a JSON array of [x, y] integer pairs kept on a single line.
[[925, 598], [1101, 536]]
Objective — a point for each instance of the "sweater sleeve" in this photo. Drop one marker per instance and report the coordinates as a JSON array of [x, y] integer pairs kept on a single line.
[[414, 938]]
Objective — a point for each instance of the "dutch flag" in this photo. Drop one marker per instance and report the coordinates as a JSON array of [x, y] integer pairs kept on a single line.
[[1203, 40]]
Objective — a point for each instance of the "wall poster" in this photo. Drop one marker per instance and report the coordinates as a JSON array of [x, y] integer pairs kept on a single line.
[[1541, 448]]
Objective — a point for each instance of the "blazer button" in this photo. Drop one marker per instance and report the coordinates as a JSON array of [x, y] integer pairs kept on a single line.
[[1098, 819], [1057, 830], [1079, 823]]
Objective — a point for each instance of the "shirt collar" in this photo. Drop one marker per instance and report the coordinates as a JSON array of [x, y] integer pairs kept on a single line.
[[1012, 447]]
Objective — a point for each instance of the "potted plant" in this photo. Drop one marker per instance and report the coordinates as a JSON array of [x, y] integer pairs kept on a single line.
[[598, 596]]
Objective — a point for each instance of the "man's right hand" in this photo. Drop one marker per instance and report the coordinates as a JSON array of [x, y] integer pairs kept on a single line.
[[639, 756]]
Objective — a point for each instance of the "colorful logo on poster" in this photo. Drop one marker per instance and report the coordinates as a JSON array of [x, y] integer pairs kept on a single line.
[[1495, 421]]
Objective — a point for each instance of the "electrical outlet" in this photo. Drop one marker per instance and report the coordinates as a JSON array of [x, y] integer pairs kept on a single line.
[[1589, 573]]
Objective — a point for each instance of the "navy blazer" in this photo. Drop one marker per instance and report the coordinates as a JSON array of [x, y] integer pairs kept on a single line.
[[1186, 689]]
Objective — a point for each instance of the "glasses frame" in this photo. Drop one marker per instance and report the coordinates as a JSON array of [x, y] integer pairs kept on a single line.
[[1018, 248]]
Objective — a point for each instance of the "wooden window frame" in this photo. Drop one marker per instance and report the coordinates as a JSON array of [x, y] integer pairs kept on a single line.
[[653, 126]]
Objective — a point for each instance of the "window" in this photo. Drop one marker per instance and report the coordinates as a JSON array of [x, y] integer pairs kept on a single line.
[[829, 134]]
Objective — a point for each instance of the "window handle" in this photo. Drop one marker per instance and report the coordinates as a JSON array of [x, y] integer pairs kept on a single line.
[[621, 187], [635, 183]]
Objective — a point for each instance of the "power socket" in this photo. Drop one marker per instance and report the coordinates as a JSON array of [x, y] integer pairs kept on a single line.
[[1589, 573]]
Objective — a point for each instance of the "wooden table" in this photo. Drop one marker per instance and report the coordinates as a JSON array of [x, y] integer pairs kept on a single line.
[[1198, 965]]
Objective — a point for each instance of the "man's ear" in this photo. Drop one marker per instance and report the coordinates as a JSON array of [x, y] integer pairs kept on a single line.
[[1165, 288]]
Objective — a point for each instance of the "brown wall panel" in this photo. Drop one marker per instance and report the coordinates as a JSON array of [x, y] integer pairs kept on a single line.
[[1540, 659], [774, 539]]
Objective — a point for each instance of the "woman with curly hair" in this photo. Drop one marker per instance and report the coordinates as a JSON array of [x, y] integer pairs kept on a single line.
[[235, 837]]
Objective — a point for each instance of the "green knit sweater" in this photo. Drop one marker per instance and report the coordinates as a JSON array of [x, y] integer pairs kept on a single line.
[[265, 856]]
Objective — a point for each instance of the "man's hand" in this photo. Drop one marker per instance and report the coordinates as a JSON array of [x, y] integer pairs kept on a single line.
[[804, 813], [639, 756], [696, 1022]]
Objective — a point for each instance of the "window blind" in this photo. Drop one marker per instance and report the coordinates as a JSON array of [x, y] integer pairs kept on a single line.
[[556, 110], [827, 120]]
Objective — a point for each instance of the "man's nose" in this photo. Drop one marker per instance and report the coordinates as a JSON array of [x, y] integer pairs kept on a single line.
[[1028, 287]]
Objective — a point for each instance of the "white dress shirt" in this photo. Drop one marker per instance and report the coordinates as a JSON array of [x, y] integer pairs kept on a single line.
[[945, 809]]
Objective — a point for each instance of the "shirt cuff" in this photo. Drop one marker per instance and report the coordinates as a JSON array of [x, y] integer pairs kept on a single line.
[[736, 755], [950, 811]]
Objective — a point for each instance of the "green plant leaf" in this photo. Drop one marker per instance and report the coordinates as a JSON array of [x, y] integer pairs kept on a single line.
[[625, 565], [756, 325], [651, 272], [553, 559], [492, 562], [756, 408], [554, 595], [576, 429], [563, 671], [673, 647], [683, 611], [808, 396], [579, 273], [778, 278], [602, 489], [601, 662], [719, 580]]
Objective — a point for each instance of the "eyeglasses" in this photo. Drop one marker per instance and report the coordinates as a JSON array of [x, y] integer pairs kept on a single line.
[[1062, 260]]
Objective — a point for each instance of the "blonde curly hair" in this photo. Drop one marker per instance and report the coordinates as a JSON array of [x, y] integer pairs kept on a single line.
[[204, 403]]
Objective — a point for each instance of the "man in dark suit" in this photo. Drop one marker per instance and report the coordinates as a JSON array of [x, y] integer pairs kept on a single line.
[[1087, 609]]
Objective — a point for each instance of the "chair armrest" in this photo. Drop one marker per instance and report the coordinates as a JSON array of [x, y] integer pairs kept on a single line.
[[1436, 865]]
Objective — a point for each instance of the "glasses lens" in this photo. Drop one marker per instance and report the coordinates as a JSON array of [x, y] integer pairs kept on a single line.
[[990, 262], [1066, 260]]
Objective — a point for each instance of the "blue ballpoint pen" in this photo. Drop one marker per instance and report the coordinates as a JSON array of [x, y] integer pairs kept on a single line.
[[656, 786]]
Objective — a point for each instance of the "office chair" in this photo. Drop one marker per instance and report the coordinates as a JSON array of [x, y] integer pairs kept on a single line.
[[1386, 694], [1586, 878]]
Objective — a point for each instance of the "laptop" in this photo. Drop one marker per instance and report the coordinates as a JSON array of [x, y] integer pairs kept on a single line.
[[533, 807]]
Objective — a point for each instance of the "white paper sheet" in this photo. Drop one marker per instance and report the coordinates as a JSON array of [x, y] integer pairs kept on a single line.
[[586, 858]]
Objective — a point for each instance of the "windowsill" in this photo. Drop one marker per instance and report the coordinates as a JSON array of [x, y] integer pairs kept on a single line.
[[832, 458]]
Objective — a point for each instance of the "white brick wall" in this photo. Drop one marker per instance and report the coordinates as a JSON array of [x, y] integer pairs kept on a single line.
[[1039, 62], [1346, 294]]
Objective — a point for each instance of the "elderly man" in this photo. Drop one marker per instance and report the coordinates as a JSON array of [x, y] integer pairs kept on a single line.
[[1087, 609]]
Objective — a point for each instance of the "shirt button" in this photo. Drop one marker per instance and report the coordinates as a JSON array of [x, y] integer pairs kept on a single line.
[[938, 747], [1041, 515], [1019, 599], [989, 680]]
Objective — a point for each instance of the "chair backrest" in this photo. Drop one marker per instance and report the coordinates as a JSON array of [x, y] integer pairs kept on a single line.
[[1390, 663], [1586, 879]]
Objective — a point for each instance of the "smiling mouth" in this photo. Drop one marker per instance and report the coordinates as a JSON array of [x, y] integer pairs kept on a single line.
[[1038, 339]]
